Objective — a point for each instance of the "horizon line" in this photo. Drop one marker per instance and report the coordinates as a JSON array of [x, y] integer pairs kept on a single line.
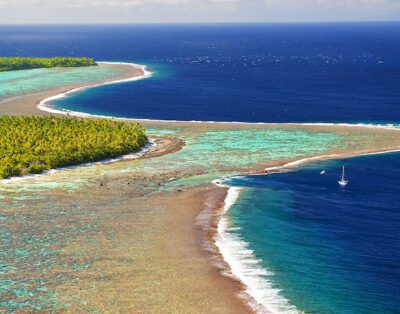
[[202, 23]]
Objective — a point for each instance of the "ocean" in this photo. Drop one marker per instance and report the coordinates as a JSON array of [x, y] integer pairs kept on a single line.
[[309, 245]]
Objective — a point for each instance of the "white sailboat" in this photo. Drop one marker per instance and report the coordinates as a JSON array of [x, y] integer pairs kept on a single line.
[[343, 181]]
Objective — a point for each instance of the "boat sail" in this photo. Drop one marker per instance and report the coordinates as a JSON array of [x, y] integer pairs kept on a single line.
[[343, 181]]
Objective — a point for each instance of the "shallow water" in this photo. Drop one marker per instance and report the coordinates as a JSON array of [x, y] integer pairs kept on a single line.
[[34, 229], [16, 83]]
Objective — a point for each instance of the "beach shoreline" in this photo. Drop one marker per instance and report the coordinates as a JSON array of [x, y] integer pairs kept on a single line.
[[27, 104], [211, 201], [155, 147]]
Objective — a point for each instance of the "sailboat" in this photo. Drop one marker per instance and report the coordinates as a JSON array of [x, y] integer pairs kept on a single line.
[[343, 181]]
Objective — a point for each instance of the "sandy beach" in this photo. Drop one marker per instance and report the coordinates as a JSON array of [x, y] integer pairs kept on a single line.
[[152, 249]]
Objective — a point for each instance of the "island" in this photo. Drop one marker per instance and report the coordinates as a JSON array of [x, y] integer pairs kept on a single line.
[[25, 63], [31, 144]]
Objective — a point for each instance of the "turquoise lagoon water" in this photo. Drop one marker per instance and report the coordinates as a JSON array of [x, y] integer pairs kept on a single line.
[[216, 152], [17, 83]]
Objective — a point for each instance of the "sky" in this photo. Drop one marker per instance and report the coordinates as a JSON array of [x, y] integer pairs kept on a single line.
[[195, 11]]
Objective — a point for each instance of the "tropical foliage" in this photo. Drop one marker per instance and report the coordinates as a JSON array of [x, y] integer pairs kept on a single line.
[[32, 144], [23, 63]]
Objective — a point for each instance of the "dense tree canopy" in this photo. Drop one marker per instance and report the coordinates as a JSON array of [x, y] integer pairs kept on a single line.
[[32, 144], [23, 63]]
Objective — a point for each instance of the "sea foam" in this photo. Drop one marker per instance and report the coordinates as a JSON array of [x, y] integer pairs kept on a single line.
[[298, 162], [244, 265], [45, 104]]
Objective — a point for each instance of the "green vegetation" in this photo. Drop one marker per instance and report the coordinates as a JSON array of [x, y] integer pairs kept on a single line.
[[32, 144], [22, 63]]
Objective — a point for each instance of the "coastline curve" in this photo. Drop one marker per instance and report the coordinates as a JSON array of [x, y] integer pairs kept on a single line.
[[45, 106]]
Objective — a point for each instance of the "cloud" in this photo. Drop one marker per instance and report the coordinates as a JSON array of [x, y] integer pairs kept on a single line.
[[137, 3], [87, 3], [106, 3], [327, 3]]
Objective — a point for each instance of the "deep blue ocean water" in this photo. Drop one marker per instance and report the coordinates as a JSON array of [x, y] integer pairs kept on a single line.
[[331, 250]]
